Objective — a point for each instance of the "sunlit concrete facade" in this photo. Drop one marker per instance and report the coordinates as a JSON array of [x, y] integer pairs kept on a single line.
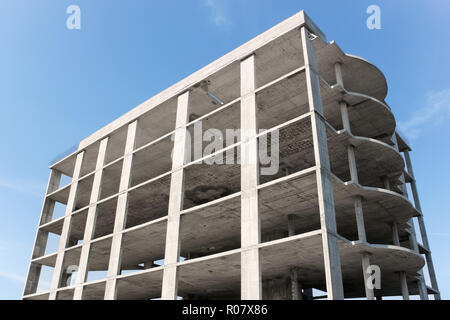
[[140, 223]]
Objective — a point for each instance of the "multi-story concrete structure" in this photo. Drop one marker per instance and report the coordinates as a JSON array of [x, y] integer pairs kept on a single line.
[[154, 227]]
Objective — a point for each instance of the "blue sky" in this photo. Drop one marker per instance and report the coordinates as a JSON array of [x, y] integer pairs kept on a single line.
[[57, 86]]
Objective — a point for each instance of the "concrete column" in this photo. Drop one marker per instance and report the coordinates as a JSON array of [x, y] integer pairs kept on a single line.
[[365, 266], [360, 219], [121, 215], [415, 247], [308, 294], [40, 242], [251, 288], [291, 225], [338, 72], [332, 261], [295, 287], [176, 196], [58, 271], [403, 188], [90, 220], [386, 183], [423, 231], [395, 237], [352, 164], [404, 285]]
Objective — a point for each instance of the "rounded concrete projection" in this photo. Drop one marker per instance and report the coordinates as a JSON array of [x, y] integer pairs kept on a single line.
[[304, 253], [368, 116], [374, 158], [358, 74], [381, 207]]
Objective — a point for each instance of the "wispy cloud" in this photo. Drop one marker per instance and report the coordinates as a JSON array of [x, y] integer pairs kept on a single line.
[[31, 188], [12, 276], [440, 234], [219, 12], [435, 112]]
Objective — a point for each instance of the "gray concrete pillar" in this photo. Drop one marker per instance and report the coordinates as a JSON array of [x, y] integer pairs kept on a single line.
[[121, 215], [404, 285], [296, 288], [332, 263], [395, 237], [250, 220], [90, 221], [58, 271], [386, 183], [344, 116], [176, 196], [338, 73], [365, 267], [40, 242], [360, 219], [421, 282], [423, 231]]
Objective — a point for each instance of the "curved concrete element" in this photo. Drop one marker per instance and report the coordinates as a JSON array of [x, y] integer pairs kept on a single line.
[[390, 259], [375, 159], [359, 75], [369, 117], [381, 208]]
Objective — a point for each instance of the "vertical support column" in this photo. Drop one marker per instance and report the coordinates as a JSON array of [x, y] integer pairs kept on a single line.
[[332, 261], [40, 242], [386, 183], [338, 72], [172, 253], [121, 215], [395, 237], [352, 162], [404, 285], [58, 271], [421, 280], [295, 288], [423, 230], [360, 219], [90, 221], [251, 288], [412, 235], [365, 266]]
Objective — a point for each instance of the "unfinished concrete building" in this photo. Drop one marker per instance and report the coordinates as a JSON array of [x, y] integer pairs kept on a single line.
[[140, 223]]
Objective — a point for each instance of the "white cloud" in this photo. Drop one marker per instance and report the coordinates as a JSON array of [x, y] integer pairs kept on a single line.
[[31, 188], [219, 12], [440, 234], [12, 276], [435, 112]]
